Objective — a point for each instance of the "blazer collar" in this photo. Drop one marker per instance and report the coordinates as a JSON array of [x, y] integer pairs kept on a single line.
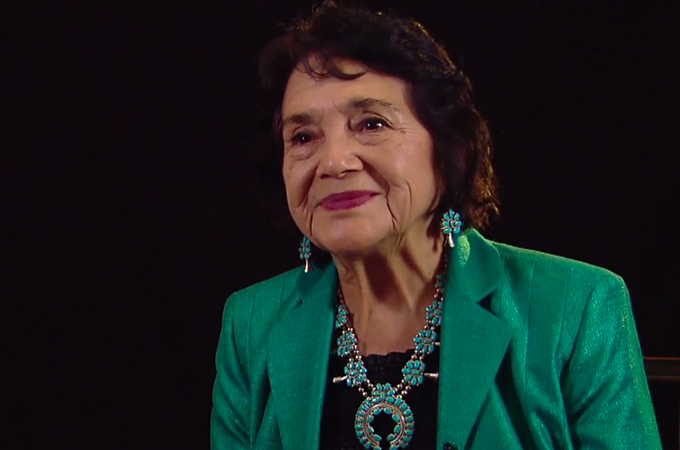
[[299, 347]]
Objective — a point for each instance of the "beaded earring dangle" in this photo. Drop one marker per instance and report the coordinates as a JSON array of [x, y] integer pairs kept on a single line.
[[305, 252], [451, 225]]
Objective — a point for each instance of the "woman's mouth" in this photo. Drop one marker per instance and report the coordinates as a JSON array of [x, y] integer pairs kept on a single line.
[[346, 200]]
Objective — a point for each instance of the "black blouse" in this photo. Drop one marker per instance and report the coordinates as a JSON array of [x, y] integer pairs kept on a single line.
[[341, 402]]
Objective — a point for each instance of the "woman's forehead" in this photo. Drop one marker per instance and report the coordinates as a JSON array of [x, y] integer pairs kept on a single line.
[[306, 92]]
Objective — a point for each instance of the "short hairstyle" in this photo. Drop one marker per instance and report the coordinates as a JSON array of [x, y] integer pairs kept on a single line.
[[439, 93]]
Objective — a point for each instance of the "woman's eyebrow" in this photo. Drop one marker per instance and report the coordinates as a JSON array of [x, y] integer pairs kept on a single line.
[[360, 103], [297, 119]]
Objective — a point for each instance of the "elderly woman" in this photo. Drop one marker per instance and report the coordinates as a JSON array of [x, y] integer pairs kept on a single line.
[[416, 332]]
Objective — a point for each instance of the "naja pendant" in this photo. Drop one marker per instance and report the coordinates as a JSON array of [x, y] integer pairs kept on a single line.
[[384, 400]]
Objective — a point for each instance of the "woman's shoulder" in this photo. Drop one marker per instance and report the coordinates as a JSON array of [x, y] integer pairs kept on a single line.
[[559, 283], [522, 261], [255, 309], [559, 296], [276, 283], [267, 294]]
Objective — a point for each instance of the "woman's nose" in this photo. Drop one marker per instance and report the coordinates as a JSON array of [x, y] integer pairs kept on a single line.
[[338, 156]]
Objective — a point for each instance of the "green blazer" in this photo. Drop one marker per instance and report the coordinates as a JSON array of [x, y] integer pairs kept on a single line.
[[537, 352]]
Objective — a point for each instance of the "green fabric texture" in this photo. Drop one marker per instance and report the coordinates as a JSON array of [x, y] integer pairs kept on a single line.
[[537, 352]]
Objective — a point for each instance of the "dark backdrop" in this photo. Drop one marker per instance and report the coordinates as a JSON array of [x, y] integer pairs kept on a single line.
[[133, 204]]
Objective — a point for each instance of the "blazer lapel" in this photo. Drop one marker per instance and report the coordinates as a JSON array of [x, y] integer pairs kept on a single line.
[[473, 341], [298, 354]]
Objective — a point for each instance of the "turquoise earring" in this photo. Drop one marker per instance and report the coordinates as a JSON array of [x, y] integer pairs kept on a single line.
[[451, 225], [305, 252]]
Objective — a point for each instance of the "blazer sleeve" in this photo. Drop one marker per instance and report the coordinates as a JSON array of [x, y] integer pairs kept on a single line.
[[605, 387], [229, 423]]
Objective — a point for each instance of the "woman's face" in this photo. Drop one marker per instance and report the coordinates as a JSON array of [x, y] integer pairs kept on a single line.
[[358, 165]]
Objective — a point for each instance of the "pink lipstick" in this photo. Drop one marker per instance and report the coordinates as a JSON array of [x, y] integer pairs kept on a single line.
[[346, 200]]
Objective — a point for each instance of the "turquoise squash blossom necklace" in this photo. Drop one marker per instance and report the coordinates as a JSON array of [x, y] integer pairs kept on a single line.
[[384, 398]]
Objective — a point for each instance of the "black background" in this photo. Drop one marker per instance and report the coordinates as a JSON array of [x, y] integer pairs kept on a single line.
[[133, 206]]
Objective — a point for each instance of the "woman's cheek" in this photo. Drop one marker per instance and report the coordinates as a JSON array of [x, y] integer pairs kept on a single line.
[[301, 152], [374, 139], [298, 178]]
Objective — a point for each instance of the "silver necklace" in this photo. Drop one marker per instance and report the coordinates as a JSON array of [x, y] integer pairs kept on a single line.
[[384, 398]]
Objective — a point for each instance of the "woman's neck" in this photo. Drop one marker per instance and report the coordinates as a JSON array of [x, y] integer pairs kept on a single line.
[[387, 291]]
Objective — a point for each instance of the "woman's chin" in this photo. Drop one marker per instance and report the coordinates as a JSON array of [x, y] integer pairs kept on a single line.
[[350, 246]]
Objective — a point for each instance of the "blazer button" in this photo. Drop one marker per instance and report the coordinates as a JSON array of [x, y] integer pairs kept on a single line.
[[449, 446]]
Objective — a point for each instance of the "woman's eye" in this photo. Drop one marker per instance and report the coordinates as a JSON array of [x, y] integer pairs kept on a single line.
[[301, 139], [373, 124]]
